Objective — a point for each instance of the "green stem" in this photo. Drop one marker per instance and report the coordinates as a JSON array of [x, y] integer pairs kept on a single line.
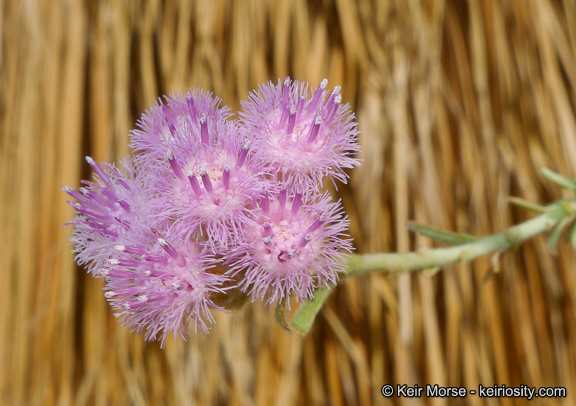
[[435, 258]]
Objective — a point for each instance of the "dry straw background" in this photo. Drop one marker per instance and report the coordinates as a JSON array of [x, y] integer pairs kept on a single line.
[[459, 103]]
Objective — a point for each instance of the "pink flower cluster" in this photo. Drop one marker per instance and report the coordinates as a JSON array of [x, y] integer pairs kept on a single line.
[[209, 205]]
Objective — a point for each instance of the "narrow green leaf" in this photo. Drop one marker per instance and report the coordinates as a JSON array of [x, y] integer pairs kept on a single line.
[[571, 234], [444, 236], [559, 179], [306, 313], [527, 205], [555, 235]]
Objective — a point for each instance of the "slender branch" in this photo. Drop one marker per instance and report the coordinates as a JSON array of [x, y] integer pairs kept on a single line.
[[433, 258], [389, 263]]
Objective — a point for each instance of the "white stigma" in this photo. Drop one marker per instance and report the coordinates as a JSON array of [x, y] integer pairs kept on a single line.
[[190, 173], [202, 171], [104, 272], [114, 262], [162, 242], [175, 286], [143, 298], [292, 254], [170, 154], [90, 160], [126, 306], [147, 273], [318, 120], [247, 144], [266, 240], [292, 110], [324, 83], [203, 118], [120, 248], [338, 99], [110, 294]]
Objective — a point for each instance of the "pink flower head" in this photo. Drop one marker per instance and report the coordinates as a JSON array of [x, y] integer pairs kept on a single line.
[[301, 137], [207, 189], [107, 209], [294, 246], [160, 286], [200, 164], [192, 120]]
